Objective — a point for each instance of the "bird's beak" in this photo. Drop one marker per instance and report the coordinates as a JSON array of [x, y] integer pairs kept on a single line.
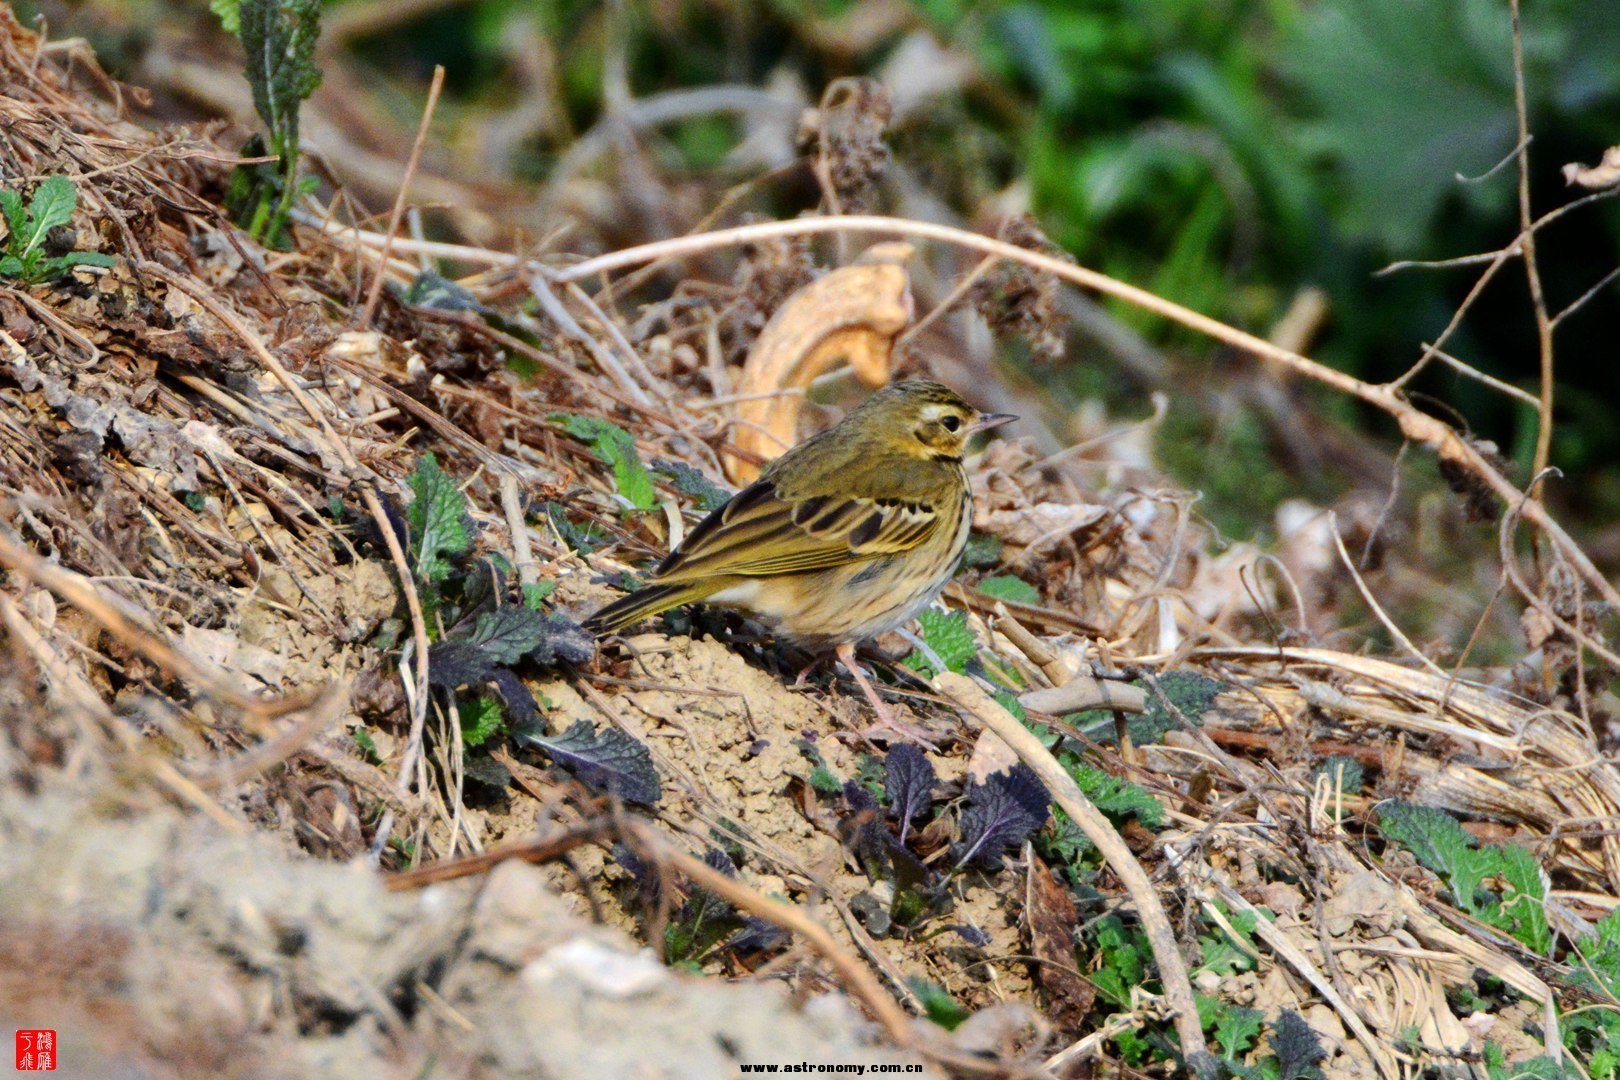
[[986, 421]]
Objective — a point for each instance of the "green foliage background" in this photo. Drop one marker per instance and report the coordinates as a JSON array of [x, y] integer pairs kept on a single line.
[[1224, 154]]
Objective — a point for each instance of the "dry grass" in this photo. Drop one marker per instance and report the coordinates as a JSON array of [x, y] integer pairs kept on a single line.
[[173, 431]]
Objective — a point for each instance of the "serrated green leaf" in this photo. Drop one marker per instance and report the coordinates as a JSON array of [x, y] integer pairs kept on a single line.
[[1522, 911], [508, 633], [536, 592], [1122, 955], [1008, 587], [688, 481], [1115, 797], [437, 518], [278, 38], [1440, 844], [1236, 1028], [10, 266], [617, 448], [947, 633], [52, 205], [481, 718]]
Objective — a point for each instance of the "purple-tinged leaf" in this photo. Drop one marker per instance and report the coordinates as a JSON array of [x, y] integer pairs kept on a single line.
[[522, 711], [454, 664], [970, 934], [757, 935], [507, 634], [909, 779], [609, 761], [1001, 813]]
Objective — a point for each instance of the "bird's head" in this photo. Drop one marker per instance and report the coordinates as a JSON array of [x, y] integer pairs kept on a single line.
[[924, 419]]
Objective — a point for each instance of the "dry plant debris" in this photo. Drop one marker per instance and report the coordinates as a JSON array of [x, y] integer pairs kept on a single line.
[[282, 589]]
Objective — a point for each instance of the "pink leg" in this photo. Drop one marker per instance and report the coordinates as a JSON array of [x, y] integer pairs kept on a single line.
[[888, 724], [804, 673]]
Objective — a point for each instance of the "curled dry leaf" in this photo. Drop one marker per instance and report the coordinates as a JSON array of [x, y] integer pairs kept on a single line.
[[1605, 173], [849, 315]]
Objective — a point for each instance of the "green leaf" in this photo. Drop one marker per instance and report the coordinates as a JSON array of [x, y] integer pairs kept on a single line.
[[617, 448], [1440, 844], [1064, 844], [438, 520], [508, 633], [1122, 956], [1115, 797], [823, 780], [1221, 952], [230, 14], [535, 593], [1008, 587], [367, 745], [52, 205], [1601, 953], [481, 718], [688, 481], [1344, 773], [83, 258], [947, 633], [278, 38], [10, 266], [1236, 1028], [938, 1005], [47, 269], [983, 549], [11, 205], [1522, 911]]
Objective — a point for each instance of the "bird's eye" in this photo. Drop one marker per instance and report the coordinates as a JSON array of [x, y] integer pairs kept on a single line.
[[952, 422]]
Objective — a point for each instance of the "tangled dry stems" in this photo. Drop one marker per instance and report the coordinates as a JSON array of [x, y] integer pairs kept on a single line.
[[202, 362]]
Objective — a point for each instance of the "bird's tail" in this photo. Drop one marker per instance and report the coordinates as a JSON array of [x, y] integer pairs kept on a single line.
[[643, 604]]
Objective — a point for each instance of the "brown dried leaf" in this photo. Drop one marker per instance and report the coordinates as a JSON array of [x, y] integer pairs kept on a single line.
[[1605, 173], [1050, 918], [852, 315]]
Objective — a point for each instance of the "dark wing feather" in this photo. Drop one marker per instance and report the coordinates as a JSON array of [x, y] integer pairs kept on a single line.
[[758, 534]]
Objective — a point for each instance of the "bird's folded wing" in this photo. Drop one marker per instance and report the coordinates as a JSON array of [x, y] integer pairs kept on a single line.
[[758, 534]]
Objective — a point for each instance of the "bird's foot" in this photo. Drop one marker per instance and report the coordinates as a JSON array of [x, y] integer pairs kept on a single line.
[[804, 672], [889, 725]]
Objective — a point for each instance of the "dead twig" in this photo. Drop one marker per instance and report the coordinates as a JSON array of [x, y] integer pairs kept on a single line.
[[404, 190], [1100, 831]]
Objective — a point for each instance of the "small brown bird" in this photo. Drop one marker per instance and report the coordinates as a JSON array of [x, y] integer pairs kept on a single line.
[[846, 536]]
